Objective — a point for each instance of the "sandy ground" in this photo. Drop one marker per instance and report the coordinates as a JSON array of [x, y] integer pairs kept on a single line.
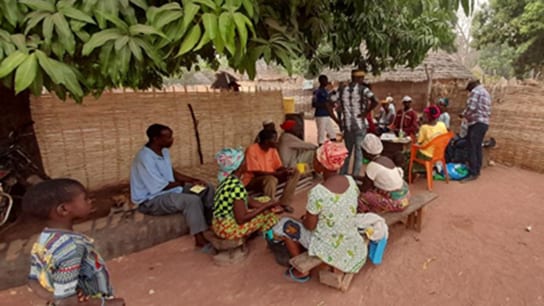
[[474, 249]]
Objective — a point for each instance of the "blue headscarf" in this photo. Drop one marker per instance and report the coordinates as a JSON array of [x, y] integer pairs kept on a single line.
[[228, 160]]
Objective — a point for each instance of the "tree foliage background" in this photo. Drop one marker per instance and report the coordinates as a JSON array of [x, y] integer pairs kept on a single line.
[[510, 34], [77, 47]]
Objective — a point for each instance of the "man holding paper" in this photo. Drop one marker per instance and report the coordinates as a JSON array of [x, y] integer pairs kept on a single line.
[[158, 189]]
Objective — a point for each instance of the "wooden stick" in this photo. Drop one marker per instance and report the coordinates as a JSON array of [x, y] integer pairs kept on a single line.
[[197, 134]]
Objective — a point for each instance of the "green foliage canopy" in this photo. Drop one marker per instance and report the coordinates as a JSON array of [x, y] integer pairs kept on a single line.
[[518, 24], [77, 47]]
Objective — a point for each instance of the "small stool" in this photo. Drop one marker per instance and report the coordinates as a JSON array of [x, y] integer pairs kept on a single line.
[[228, 251]]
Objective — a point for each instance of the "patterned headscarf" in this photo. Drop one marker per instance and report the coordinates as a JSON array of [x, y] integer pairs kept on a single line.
[[332, 155], [228, 160]]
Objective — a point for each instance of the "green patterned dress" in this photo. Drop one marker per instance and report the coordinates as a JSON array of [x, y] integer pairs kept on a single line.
[[336, 240]]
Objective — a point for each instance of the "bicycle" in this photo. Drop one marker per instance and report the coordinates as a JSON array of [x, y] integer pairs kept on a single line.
[[17, 173]]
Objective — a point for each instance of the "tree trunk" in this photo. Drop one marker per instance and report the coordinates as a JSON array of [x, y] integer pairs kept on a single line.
[[14, 115]]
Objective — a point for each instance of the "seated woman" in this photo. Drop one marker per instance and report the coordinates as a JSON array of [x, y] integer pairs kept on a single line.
[[235, 215], [430, 130], [384, 188], [328, 229]]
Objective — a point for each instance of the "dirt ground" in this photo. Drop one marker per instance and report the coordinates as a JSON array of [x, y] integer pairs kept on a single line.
[[475, 248]]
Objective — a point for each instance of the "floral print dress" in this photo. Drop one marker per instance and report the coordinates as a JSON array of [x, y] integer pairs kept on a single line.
[[336, 240]]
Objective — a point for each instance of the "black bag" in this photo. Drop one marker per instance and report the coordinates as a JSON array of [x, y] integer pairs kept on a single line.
[[281, 254]]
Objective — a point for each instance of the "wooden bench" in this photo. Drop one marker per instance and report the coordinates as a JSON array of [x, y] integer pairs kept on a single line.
[[414, 212]]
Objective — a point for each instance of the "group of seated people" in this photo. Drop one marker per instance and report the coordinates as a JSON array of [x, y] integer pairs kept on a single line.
[[230, 211]]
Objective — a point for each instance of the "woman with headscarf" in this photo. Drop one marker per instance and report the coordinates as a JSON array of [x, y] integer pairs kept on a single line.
[[384, 188], [430, 130], [330, 219], [235, 214]]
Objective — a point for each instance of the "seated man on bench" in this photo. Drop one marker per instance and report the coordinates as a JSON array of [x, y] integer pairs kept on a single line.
[[329, 219], [264, 170], [157, 189]]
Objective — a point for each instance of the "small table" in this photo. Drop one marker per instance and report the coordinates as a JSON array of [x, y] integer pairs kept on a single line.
[[395, 147]]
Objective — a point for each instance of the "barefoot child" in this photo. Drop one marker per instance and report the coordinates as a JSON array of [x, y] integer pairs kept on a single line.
[[65, 268]]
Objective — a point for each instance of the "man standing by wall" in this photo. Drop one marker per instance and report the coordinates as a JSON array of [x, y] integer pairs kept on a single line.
[[476, 113], [356, 101], [322, 106]]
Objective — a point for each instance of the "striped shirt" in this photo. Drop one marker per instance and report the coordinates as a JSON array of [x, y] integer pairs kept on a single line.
[[354, 101], [478, 106], [64, 262]]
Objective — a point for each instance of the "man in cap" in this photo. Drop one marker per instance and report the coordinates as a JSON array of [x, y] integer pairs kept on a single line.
[[356, 101], [386, 115], [476, 114], [406, 121], [267, 125], [294, 150]]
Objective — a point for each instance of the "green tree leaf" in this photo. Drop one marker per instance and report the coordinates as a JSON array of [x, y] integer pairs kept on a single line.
[[11, 62], [210, 24], [135, 50], [99, 39], [140, 3], [76, 14], [189, 12], [39, 5], [190, 40], [145, 29], [203, 41], [33, 19], [209, 3], [26, 73]]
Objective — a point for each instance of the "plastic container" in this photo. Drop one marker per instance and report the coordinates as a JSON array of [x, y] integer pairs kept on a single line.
[[376, 250], [289, 105]]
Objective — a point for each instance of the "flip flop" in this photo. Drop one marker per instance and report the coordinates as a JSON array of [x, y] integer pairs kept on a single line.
[[207, 249], [289, 274]]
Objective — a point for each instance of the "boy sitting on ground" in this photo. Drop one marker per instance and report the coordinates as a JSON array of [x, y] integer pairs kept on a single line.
[[65, 267]]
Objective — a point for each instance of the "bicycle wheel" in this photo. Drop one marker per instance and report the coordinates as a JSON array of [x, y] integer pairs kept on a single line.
[[6, 203]]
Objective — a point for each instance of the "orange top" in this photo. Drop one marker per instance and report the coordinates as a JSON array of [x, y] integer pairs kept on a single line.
[[259, 160]]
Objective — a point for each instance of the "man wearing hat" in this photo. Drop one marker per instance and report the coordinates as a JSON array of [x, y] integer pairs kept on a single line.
[[476, 114], [356, 101], [406, 121], [292, 149], [267, 125], [386, 115]]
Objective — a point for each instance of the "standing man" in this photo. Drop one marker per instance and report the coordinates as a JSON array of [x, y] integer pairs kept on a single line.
[[157, 189], [321, 102], [356, 101], [476, 113], [406, 121]]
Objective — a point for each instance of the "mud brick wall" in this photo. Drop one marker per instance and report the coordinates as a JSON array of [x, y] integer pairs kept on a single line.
[[114, 236]]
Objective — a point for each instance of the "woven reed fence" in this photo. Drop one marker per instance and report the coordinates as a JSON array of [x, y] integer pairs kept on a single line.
[[517, 123], [96, 141]]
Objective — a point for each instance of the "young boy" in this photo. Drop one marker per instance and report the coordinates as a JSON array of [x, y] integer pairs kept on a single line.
[[65, 267]]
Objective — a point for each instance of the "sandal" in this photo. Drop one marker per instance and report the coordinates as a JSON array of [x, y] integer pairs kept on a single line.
[[289, 274]]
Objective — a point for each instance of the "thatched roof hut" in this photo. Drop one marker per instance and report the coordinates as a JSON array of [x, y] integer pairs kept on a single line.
[[445, 67]]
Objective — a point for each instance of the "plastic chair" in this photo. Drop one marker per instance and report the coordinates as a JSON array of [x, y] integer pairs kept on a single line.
[[439, 144]]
